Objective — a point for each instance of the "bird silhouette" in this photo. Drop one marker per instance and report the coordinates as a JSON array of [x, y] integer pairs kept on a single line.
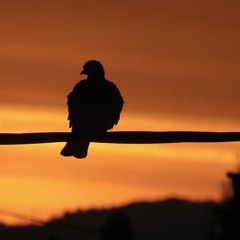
[[94, 107]]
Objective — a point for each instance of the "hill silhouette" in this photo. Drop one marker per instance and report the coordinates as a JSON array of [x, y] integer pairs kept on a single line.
[[165, 220]]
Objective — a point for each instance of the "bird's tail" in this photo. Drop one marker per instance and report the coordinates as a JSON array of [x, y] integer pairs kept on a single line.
[[78, 149]]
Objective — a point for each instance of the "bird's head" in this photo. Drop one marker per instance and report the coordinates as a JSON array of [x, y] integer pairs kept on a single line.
[[93, 69]]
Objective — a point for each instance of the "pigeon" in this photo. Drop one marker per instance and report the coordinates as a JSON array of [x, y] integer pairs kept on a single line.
[[94, 107]]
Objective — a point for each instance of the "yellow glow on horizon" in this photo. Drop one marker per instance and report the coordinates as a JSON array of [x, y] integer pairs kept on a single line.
[[37, 181]]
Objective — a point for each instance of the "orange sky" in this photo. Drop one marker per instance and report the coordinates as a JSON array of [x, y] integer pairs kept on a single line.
[[177, 66]]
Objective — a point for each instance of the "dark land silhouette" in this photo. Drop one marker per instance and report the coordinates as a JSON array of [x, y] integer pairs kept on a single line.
[[94, 107], [166, 220]]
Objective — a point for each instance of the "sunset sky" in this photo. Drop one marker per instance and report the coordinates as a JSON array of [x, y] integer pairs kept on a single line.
[[177, 66]]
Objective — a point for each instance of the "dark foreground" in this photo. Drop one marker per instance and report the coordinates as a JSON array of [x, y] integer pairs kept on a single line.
[[165, 220]]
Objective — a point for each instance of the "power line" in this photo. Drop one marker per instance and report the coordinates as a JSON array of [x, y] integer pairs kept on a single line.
[[22, 216], [123, 137], [38, 222]]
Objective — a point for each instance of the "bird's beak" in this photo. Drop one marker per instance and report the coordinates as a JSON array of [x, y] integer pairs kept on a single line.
[[83, 72]]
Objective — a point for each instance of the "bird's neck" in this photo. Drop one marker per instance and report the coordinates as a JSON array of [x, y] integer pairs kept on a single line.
[[95, 78]]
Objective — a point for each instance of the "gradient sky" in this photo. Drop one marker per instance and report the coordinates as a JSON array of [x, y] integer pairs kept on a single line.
[[177, 66]]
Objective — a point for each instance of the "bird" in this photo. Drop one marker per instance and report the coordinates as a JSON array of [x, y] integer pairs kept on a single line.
[[94, 107]]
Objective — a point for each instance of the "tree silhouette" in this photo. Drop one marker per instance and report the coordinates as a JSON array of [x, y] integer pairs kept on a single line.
[[117, 227]]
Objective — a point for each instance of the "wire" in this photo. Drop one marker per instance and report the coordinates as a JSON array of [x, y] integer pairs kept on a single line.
[[21, 216]]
